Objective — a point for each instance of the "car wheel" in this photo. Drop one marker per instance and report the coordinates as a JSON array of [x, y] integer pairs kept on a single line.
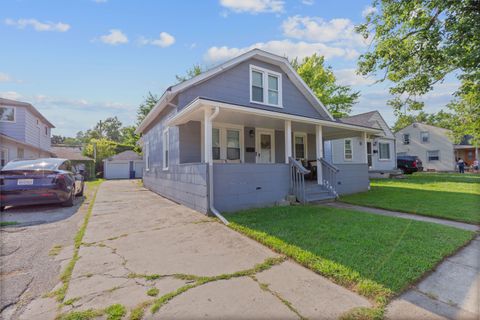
[[70, 201]]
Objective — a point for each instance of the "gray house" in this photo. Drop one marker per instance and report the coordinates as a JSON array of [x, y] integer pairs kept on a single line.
[[24, 132], [247, 134], [381, 156]]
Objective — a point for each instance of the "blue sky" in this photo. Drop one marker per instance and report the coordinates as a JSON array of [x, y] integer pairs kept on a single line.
[[80, 61]]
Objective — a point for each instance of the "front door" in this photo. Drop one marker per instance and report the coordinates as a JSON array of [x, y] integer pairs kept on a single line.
[[369, 154], [265, 146]]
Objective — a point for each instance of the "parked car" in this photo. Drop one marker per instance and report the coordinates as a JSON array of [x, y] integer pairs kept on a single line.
[[39, 181], [409, 164]]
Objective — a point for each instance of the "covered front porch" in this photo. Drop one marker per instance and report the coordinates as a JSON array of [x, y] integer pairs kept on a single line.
[[258, 157]]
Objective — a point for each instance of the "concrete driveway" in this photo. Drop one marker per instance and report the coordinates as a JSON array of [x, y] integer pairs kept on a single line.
[[137, 240]]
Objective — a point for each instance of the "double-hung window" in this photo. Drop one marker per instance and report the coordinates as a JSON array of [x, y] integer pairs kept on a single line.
[[424, 136], [265, 86], [166, 147], [347, 150], [433, 155], [7, 114], [233, 144], [406, 138], [300, 147], [227, 143], [216, 144], [384, 151]]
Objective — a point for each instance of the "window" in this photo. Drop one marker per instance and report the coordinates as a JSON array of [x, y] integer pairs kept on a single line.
[[166, 148], [7, 114], [3, 157], [233, 145], [20, 153], [424, 136], [384, 151], [300, 148], [147, 156], [216, 144], [433, 155], [265, 86], [406, 138], [347, 149], [46, 130]]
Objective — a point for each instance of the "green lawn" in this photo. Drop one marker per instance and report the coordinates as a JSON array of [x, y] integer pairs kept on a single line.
[[449, 196], [371, 254]]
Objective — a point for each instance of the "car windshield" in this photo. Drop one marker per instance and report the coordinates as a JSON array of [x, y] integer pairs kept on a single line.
[[39, 164]]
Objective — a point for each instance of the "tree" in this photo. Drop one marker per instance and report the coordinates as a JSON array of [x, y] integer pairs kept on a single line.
[[417, 43], [130, 138], [337, 98], [194, 71], [145, 107], [441, 119], [467, 110], [56, 139]]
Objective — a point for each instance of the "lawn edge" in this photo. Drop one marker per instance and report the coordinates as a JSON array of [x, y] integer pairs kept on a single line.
[[408, 212]]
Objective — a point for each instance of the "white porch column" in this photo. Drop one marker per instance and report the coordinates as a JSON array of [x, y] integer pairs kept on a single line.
[[288, 140], [207, 134], [364, 141], [319, 145]]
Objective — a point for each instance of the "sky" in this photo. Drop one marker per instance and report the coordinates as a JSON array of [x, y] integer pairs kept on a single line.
[[81, 61]]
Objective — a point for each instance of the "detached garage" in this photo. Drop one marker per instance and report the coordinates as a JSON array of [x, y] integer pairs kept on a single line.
[[125, 165]]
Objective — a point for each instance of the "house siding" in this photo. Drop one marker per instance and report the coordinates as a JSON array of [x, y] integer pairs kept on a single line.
[[243, 186], [190, 137], [233, 86], [439, 140], [15, 129], [352, 178]]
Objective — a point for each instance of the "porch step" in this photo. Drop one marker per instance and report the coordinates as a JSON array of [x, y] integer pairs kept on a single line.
[[317, 193]]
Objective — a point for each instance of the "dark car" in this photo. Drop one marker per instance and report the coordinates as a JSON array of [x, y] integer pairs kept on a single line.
[[39, 181], [409, 164]]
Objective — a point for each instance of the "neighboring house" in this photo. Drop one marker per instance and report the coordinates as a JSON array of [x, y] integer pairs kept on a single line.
[[82, 164], [466, 150], [433, 145], [380, 147], [24, 132], [227, 139], [125, 165]]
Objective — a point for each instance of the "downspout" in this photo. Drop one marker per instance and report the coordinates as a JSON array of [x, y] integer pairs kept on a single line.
[[210, 177]]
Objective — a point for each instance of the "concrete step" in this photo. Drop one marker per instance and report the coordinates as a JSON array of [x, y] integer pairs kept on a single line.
[[319, 197]]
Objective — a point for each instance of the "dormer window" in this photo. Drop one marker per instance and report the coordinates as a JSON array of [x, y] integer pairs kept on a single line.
[[265, 86], [7, 114]]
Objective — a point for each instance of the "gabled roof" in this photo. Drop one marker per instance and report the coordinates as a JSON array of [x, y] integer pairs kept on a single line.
[[32, 109], [261, 55], [371, 119], [126, 155], [70, 153]]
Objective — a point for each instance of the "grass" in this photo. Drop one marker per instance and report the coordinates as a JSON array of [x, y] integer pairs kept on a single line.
[[449, 196], [55, 251], [376, 256], [153, 292], [7, 223], [113, 312]]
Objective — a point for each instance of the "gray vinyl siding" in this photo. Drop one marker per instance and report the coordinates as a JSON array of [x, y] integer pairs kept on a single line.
[[352, 178], [383, 164], [243, 186], [337, 151], [279, 146], [233, 86], [35, 133], [190, 137], [15, 129]]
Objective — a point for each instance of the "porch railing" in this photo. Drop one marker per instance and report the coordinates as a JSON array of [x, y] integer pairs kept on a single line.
[[329, 176], [297, 179]]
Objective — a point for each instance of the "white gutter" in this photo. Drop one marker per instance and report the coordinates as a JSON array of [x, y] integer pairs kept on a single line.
[[210, 177]]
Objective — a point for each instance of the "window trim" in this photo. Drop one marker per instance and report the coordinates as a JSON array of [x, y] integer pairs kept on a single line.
[[421, 136], [379, 152], [344, 149], [403, 138], [258, 131], [265, 73], [223, 127], [166, 148], [305, 137], [14, 114], [428, 157]]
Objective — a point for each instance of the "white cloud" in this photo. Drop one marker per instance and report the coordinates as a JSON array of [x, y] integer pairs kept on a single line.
[[286, 48], [5, 77], [37, 25], [253, 6], [165, 40], [368, 10], [349, 77], [12, 95], [114, 37], [308, 2], [319, 30]]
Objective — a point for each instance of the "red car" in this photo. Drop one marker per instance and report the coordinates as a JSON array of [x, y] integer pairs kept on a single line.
[[39, 181]]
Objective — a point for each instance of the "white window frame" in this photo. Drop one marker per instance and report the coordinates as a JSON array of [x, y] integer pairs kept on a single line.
[[265, 73], [404, 140], [380, 153], [305, 137], [14, 114], [223, 127], [428, 157], [421, 137], [147, 156], [345, 149], [166, 149]]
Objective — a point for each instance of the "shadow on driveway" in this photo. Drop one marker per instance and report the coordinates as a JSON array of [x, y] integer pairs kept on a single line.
[[39, 214]]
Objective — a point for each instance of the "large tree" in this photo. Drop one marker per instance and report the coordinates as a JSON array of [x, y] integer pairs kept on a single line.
[[418, 43], [194, 71], [146, 106], [321, 79], [440, 119]]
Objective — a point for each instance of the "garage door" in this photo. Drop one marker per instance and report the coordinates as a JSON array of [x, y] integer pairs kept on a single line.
[[117, 170]]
